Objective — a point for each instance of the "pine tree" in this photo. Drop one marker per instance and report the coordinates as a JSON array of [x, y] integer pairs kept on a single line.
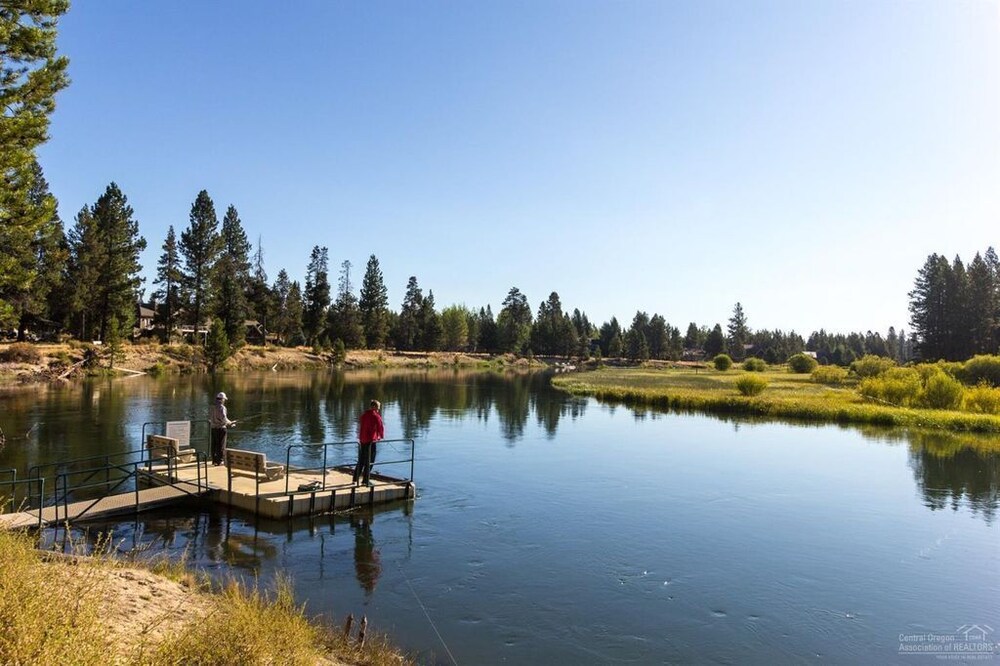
[[408, 332], [610, 331], [344, 318], [30, 76], [930, 310], [118, 280], [715, 343], [259, 295], [83, 273], [514, 323], [739, 333], [168, 278], [374, 306], [294, 305], [46, 260], [316, 296], [200, 246], [487, 330], [217, 348], [231, 279], [430, 324]]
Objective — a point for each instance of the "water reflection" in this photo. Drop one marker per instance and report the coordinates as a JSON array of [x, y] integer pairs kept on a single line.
[[367, 560], [46, 424]]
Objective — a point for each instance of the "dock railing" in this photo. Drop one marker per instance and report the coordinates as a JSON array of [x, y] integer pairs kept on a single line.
[[116, 476], [345, 455], [14, 499]]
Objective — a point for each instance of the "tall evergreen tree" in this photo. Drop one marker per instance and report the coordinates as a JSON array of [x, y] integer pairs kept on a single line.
[[430, 324], [408, 332], [119, 280], [30, 76], [374, 306], [231, 279], [929, 309], [487, 330], [715, 343], [344, 320], [200, 247], [658, 336], [739, 333], [83, 272], [611, 338], [259, 296], [636, 345], [316, 297], [693, 339], [514, 323], [45, 262], [168, 277]]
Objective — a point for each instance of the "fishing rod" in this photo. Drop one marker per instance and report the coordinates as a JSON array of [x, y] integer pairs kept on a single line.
[[250, 418]]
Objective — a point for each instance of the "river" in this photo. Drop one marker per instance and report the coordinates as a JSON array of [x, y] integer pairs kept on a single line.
[[556, 529]]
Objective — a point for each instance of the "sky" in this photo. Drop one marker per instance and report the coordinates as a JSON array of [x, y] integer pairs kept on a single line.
[[801, 158]]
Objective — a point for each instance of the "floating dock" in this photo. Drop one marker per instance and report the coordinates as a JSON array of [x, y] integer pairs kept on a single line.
[[322, 492], [167, 472]]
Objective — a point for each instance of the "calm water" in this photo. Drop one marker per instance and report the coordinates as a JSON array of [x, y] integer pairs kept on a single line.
[[551, 529]]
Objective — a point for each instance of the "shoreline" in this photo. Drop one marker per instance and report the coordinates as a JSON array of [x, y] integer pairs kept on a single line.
[[64, 362], [801, 401]]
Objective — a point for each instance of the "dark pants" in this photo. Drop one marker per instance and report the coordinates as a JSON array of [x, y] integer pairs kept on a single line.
[[366, 458], [218, 445]]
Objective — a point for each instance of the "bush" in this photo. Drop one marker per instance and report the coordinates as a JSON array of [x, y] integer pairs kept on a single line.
[[754, 365], [751, 385], [20, 352], [983, 398], [943, 392], [900, 387], [801, 364], [980, 369], [870, 365], [829, 374], [722, 362]]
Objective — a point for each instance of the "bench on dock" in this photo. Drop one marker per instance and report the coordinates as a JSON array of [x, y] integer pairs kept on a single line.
[[253, 461], [168, 448]]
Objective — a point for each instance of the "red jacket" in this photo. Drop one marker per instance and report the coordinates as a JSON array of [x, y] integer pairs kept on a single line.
[[370, 429]]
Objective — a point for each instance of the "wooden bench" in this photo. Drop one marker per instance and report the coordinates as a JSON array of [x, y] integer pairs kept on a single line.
[[255, 462], [168, 448]]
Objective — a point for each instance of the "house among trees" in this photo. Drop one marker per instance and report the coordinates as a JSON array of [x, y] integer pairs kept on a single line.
[[144, 316]]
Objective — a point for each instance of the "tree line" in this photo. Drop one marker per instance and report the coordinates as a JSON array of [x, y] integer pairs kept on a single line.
[[88, 283]]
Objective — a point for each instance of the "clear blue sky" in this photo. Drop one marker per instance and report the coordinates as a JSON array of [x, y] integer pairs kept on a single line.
[[803, 158]]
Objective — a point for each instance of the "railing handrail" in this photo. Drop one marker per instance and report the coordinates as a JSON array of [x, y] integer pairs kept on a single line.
[[27, 482], [34, 469], [62, 481], [353, 442]]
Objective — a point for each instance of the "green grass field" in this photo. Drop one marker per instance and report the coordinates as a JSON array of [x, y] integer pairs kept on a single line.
[[790, 396]]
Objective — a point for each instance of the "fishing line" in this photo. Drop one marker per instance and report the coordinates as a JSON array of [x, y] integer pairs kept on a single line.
[[427, 615]]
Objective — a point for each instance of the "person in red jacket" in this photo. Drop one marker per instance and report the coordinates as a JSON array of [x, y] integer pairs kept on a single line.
[[370, 430]]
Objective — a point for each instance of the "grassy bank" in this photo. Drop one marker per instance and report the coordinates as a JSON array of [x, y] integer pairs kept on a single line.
[[31, 362], [90, 610], [790, 396]]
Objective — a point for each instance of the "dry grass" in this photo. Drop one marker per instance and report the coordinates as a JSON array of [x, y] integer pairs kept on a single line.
[[64, 609]]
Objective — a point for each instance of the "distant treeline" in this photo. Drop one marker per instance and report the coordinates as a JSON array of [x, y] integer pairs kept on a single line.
[[86, 283]]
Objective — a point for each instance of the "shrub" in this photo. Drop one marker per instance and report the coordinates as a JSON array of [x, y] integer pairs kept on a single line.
[[751, 385], [20, 352], [870, 365], [942, 392], [801, 364], [900, 387], [979, 369], [753, 364], [829, 374], [722, 362], [983, 398]]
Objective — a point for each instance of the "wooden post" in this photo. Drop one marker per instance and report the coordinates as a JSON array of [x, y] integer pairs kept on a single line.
[[362, 631], [348, 623]]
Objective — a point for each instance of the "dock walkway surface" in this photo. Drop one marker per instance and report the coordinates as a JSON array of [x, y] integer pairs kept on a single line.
[[280, 498]]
